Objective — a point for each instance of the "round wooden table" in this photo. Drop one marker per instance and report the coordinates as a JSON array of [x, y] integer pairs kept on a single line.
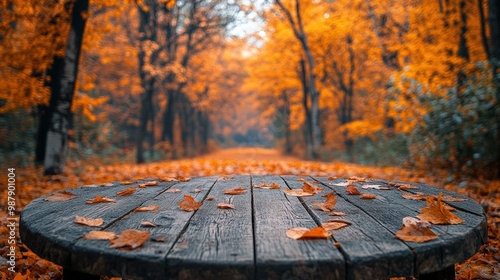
[[249, 241]]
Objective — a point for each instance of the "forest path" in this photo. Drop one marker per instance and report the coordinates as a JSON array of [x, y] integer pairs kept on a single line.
[[248, 153]]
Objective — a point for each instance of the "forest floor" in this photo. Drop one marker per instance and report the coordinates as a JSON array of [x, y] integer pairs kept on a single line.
[[31, 184]]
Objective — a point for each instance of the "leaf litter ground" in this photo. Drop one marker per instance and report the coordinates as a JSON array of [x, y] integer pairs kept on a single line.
[[31, 184]]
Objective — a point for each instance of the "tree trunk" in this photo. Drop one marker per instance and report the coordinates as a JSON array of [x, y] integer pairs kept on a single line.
[[62, 93], [482, 24], [494, 16], [305, 90]]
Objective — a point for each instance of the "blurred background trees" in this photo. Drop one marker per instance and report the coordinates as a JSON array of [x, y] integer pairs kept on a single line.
[[370, 81]]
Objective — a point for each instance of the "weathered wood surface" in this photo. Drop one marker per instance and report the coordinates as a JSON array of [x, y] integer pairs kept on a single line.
[[249, 242]]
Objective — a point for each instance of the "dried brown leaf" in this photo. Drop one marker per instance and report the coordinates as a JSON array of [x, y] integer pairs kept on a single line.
[[235, 191], [173, 190], [128, 191], [368, 196], [329, 204], [417, 196], [352, 190], [153, 208], [436, 212], [223, 205], [335, 224], [100, 199], [305, 233], [196, 191], [130, 238], [148, 224], [337, 214], [414, 230], [60, 196], [89, 221], [127, 182], [148, 184], [189, 204], [99, 235]]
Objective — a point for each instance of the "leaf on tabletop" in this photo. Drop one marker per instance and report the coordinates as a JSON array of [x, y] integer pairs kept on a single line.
[[148, 184], [415, 230], [169, 179], [153, 208], [189, 204], [436, 212], [107, 185], [449, 198], [309, 187], [301, 179], [404, 187], [89, 221], [196, 191], [100, 199], [235, 191], [60, 196], [337, 214], [128, 191], [354, 179], [210, 198], [331, 178], [148, 224], [182, 179], [329, 204], [335, 224], [267, 186], [173, 190], [297, 192], [341, 184], [158, 238], [368, 196], [127, 182], [223, 205], [99, 235], [130, 238], [352, 190], [417, 196], [305, 233], [376, 187]]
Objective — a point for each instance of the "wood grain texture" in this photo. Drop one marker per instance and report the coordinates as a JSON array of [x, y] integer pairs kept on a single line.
[[279, 257], [217, 243], [370, 250]]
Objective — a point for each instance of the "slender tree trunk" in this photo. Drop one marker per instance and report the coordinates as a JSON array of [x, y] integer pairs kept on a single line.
[[482, 24], [494, 18], [286, 122], [62, 93], [305, 90]]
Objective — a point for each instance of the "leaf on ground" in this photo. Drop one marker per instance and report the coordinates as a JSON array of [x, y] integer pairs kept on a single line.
[[148, 224], [89, 221], [417, 196], [223, 205], [60, 196], [148, 184], [267, 186], [335, 224], [337, 214], [130, 238], [125, 192], [329, 204], [376, 187], [235, 191], [100, 199], [99, 235], [153, 208], [415, 230], [436, 212], [127, 182], [368, 196], [173, 190], [352, 190], [189, 204], [305, 233]]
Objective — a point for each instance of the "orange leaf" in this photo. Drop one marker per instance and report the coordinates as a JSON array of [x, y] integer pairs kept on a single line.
[[153, 208], [417, 196], [130, 238], [335, 224], [450, 198], [148, 184], [297, 192], [235, 191], [414, 230], [351, 189], [436, 212], [183, 179], [128, 191], [99, 235], [89, 221], [100, 199], [173, 190], [368, 196], [210, 198], [223, 205], [327, 206], [196, 191], [267, 186], [331, 178], [148, 224], [60, 196], [305, 233], [337, 214], [189, 204], [127, 183], [405, 187], [310, 188]]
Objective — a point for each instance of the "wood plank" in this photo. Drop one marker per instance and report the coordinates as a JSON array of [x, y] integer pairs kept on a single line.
[[370, 250], [279, 257], [217, 243], [49, 230], [148, 262], [456, 243]]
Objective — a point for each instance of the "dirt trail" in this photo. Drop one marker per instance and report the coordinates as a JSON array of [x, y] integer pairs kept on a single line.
[[248, 153]]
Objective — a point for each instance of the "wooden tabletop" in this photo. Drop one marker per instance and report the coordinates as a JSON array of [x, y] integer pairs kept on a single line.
[[249, 242]]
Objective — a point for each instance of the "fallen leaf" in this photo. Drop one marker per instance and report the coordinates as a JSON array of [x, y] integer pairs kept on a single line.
[[405, 187], [297, 192], [128, 191], [183, 179], [189, 204], [342, 184], [173, 190], [337, 214], [354, 179], [223, 205], [335, 224], [196, 191], [169, 179], [330, 178], [376, 187], [268, 186], [99, 235], [368, 196], [308, 187], [329, 204], [436, 212], [130, 238], [148, 184], [107, 185], [305, 233], [417, 196], [235, 191], [148, 224], [352, 190], [210, 198], [449, 198], [100, 199], [415, 230], [60, 196], [127, 183], [153, 208], [89, 221], [301, 179], [158, 238]]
